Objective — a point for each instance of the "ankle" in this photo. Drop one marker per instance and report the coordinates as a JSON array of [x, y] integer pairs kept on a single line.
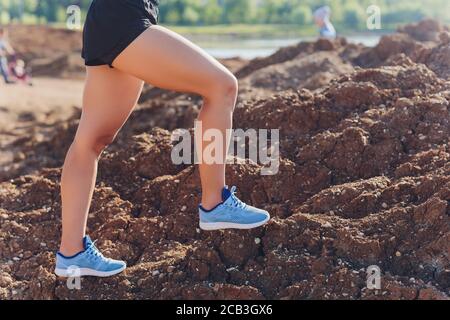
[[210, 203], [70, 250]]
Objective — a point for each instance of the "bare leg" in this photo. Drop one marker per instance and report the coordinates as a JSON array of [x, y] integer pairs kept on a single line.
[[109, 98], [167, 60]]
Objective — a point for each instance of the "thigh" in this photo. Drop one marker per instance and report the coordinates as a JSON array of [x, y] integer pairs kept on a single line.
[[109, 98], [167, 60]]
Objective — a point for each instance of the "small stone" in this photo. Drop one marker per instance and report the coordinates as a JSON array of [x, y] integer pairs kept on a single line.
[[16, 258], [155, 273], [19, 156], [398, 254], [257, 240], [183, 208], [43, 244], [170, 269], [444, 37], [384, 205]]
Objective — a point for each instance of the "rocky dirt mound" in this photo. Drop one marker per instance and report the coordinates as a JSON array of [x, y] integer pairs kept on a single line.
[[364, 180], [310, 72], [48, 51], [427, 42], [41, 41]]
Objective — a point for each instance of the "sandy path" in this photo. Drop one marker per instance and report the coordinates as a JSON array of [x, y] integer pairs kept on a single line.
[[26, 110], [55, 96]]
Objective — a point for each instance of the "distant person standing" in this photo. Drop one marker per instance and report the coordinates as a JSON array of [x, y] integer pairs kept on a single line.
[[322, 20], [5, 49]]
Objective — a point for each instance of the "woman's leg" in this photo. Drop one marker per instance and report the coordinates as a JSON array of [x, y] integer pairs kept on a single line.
[[167, 60], [109, 97]]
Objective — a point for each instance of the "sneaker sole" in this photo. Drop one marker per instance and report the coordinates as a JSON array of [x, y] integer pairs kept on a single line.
[[211, 226], [88, 272]]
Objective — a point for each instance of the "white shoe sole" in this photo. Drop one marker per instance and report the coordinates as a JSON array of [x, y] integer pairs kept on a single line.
[[210, 226], [81, 272]]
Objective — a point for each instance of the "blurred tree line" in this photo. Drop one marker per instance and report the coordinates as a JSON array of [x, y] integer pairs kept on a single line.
[[348, 14]]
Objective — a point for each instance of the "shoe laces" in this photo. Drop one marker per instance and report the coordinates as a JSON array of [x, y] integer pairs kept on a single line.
[[93, 251], [237, 203]]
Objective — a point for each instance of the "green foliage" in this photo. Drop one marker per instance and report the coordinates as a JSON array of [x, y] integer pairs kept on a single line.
[[347, 14], [302, 15]]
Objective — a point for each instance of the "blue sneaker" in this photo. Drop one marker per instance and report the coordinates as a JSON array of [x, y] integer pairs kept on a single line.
[[89, 262], [232, 213]]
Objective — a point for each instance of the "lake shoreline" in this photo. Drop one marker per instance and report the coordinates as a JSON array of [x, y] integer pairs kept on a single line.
[[271, 31]]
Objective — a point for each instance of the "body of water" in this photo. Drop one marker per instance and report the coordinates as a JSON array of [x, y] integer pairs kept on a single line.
[[252, 48]]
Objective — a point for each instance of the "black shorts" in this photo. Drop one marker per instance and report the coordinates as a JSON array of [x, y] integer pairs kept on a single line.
[[111, 25]]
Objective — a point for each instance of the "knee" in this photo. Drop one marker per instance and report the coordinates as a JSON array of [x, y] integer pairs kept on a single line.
[[224, 87], [95, 144]]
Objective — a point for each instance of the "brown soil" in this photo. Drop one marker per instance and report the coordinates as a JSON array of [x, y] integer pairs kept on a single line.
[[364, 180], [49, 51]]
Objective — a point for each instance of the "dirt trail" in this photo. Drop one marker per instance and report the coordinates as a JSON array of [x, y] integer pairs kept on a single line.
[[33, 112], [364, 180]]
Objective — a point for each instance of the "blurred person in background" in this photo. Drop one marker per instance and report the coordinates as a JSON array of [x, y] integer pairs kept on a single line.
[[5, 50], [19, 71], [322, 20]]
